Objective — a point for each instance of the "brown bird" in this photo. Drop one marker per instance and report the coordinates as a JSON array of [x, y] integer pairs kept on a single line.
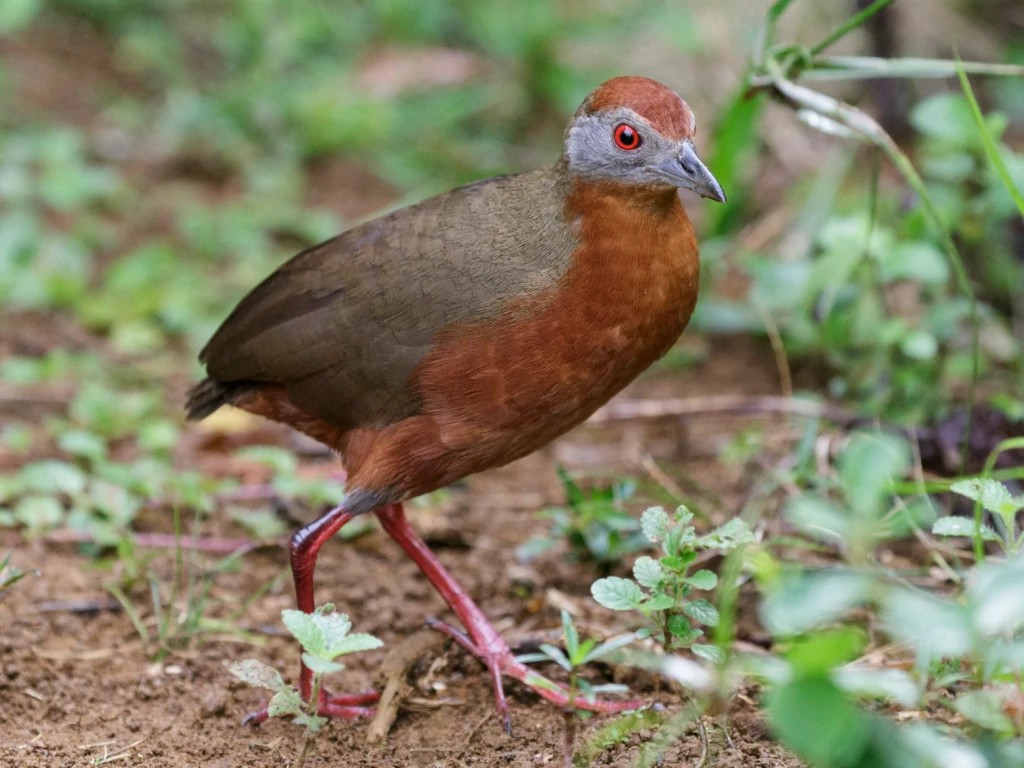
[[470, 329]]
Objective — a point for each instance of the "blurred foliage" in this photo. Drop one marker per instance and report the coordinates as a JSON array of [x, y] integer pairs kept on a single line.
[[126, 237]]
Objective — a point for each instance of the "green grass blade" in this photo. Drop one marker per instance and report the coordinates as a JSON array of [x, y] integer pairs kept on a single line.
[[850, 24], [988, 141]]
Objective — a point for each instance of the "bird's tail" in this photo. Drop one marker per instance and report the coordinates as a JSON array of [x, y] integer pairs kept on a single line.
[[209, 395]]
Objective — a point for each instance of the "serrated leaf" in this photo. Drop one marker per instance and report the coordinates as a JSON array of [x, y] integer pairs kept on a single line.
[[617, 593], [993, 495], [648, 572], [702, 611], [258, 674], [306, 629], [712, 653], [962, 526], [654, 523], [354, 644], [321, 666], [285, 702], [703, 579]]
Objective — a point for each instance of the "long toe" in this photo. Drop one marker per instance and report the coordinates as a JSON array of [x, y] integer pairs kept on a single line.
[[501, 663], [350, 706]]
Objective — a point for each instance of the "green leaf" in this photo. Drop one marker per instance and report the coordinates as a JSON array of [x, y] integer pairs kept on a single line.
[[654, 523], [307, 630], [353, 643], [702, 611], [80, 442], [888, 684], [53, 476], [809, 600], [985, 708], [258, 675], [321, 666], [312, 723], [556, 655], [647, 571], [609, 646], [814, 718], [734, 533], [962, 526], [915, 618], [822, 651], [703, 579], [712, 653], [285, 702], [679, 626], [991, 494], [657, 602], [38, 512], [819, 518], [946, 117], [996, 595], [916, 260], [569, 633], [617, 593], [867, 468]]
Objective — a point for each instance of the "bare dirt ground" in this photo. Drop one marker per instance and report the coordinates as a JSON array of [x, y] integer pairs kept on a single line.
[[78, 686]]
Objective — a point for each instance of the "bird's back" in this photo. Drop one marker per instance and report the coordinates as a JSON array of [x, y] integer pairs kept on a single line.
[[342, 326]]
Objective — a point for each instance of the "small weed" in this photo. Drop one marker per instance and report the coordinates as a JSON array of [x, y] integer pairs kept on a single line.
[[594, 524], [994, 498], [324, 636], [662, 590], [9, 574], [577, 654]]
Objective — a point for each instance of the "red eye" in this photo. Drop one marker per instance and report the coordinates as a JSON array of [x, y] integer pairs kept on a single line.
[[626, 136]]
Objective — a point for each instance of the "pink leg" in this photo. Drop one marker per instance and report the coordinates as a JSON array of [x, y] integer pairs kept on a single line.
[[482, 640], [303, 548]]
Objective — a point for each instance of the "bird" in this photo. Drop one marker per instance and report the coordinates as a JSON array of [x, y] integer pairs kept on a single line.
[[466, 331]]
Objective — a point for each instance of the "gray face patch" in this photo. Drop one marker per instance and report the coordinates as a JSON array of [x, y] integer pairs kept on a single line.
[[593, 155]]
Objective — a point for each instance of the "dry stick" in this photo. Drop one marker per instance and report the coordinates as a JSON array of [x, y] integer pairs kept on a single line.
[[717, 405]]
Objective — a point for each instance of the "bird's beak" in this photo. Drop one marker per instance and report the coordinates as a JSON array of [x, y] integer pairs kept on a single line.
[[687, 171]]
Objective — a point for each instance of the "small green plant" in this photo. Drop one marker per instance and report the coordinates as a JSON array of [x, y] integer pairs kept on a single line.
[[324, 636], [994, 498], [577, 654], [595, 524], [662, 590], [9, 574]]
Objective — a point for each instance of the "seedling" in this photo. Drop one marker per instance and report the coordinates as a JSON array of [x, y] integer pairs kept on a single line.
[[576, 655], [324, 636], [662, 590], [9, 574], [594, 524], [994, 498]]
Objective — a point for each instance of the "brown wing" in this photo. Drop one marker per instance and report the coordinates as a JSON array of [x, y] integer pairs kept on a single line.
[[343, 325]]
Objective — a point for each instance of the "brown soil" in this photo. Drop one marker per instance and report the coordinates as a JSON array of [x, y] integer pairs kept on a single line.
[[79, 686]]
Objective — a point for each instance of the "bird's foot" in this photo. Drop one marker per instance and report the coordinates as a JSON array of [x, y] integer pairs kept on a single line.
[[346, 706], [495, 654]]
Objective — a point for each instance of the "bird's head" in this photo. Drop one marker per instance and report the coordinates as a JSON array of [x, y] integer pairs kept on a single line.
[[635, 131]]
